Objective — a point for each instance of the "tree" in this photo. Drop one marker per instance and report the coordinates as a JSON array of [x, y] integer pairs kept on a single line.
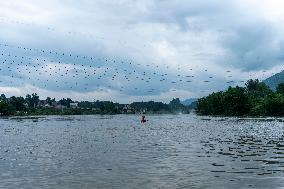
[[18, 103], [35, 100], [48, 101], [6, 108], [150, 106], [3, 97], [65, 102], [213, 104], [109, 107], [280, 88], [28, 100], [175, 104], [273, 105], [236, 102], [251, 84], [257, 89], [32, 100]]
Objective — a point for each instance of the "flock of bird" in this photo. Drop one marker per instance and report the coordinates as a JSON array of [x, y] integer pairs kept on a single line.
[[68, 71], [62, 69]]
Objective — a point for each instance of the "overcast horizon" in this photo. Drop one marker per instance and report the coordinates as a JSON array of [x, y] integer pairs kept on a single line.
[[130, 50]]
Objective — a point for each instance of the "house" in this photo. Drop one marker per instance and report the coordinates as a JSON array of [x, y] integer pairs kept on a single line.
[[128, 109], [47, 106], [96, 109], [43, 103], [74, 105], [60, 107], [54, 104]]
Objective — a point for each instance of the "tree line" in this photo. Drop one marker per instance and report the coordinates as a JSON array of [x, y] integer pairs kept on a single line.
[[32, 105], [255, 99]]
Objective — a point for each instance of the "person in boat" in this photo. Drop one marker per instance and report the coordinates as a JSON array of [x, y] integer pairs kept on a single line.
[[143, 120]]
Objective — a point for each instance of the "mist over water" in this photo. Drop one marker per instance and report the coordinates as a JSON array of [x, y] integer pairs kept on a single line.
[[169, 151]]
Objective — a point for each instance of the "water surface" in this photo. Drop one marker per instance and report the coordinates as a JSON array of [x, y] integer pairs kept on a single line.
[[170, 151]]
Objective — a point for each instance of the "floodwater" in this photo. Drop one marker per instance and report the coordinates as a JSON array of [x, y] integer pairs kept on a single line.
[[169, 151]]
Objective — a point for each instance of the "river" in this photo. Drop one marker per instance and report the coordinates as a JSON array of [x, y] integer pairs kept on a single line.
[[169, 151]]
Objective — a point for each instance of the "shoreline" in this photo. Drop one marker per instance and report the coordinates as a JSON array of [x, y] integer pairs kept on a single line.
[[203, 117]]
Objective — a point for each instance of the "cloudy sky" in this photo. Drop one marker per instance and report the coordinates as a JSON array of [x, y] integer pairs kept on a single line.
[[134, 50]]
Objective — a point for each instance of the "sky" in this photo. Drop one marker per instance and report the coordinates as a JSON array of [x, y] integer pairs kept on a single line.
[[130, 50]]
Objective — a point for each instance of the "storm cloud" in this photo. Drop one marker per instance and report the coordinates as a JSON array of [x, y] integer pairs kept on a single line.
[[222, 42]]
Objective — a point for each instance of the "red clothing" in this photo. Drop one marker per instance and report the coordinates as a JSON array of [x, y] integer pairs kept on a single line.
[[143, 120]]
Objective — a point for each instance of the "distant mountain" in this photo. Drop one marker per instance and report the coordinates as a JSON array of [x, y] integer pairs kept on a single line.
[[188, 102], [274, 80]]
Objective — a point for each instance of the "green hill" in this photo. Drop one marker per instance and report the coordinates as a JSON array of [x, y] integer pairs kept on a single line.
[[274, 80]]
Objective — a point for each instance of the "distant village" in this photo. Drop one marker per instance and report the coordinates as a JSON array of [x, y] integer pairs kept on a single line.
[[32, 105], [124, 108]]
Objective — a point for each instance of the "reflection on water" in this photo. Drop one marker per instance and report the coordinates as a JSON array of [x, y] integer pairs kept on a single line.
[[183, 151]]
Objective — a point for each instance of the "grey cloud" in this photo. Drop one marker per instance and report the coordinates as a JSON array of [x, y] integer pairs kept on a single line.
[[131, 30]]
